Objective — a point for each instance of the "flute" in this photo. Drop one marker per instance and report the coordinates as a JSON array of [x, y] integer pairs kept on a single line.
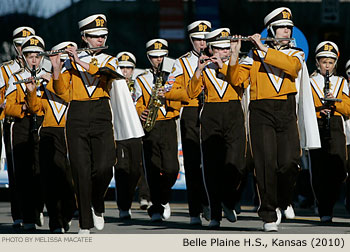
[[51, 53], [27, 80], [207, 59], [245, 38]]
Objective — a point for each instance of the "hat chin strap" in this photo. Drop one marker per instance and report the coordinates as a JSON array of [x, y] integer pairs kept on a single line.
[[319, 68]]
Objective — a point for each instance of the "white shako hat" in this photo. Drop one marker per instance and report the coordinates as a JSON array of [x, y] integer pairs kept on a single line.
[[157, 47], [327, 49], [126, 59], [198, 29], [20, 33], [279, 17], [94, 25], [33, 44], [347, 68], [216, 38], [62, 46]]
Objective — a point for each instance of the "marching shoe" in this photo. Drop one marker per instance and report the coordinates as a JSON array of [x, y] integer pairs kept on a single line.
[[84, 231], [125, 214], [67, 226], [29, 226], [214, 224], [289, 212], [156, 217], [279, 216], [195, 221], [206, 213], [326, 219], [144, 204], [270, 227], [167, 211], [99, 221], [17, 223], [230, 214], [58, 231]]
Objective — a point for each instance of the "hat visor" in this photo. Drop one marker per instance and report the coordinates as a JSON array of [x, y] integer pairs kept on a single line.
[[157, 53], [326, 55], [33, 49], [198, 35], [282, 22], [96, 32], [221, 44], [125, 64]]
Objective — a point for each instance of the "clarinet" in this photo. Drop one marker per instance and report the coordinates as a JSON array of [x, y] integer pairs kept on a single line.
[[34, 118], [201, 95]]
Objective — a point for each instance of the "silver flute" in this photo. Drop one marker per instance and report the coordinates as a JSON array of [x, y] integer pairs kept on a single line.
[[27, 80], [63, 51], [245, 38]]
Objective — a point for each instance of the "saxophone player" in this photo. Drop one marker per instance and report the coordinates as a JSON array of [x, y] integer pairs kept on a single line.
[[159, 144]]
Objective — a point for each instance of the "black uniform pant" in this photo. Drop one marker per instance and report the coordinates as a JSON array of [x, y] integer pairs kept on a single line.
[[57, 177], [223, 146], [26, 171], [190, 139], [276, 153], [328, 165], [15, 200], [91, 151], [161, 162], [127, 171]]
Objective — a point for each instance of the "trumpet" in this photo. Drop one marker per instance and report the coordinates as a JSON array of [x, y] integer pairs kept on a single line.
[[51, 53], [246, 38], [27, 80]]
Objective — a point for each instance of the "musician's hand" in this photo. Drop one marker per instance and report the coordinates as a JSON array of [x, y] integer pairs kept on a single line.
[[24, 107], [202, 62], [56, 60], [217, 60], [256, 40], [236, 45], [330, 95], [144, 115], [325, 111], [161, 92], [31, 85], [46, 76], [72, 53]]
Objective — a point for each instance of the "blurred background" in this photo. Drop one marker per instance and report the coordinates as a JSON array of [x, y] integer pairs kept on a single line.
[[132, 23]]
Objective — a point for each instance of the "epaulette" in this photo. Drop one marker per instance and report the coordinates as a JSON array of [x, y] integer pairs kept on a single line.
[[186, 55], [43, 69], [10, 62]]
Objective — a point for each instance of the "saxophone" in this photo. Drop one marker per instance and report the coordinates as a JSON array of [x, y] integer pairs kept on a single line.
[[154, 104]]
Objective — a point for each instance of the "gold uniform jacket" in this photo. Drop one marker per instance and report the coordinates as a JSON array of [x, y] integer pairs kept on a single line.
[[272, 74], [85, 85], [53, 107], [16, 94], [215, 85], [183, 70], [338, 87], [170, 109], [7, 69]]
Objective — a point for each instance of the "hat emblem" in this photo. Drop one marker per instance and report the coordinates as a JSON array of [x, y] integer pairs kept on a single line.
[[26, 33], [328, 47], [34, 41], [202, 27], [99, 22], [125, 57], [158, 46], [224, 34], [286, 14]]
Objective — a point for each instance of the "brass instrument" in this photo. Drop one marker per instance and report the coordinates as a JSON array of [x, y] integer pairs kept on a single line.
[[154, 104], [51, 53], [27, 80], [131, 84]]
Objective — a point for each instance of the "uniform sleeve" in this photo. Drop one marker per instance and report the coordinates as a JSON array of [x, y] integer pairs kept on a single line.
[[195, 86], [140, 103], [34, 102], [289, 64], [13, 108], [61, 85], [239, 73], [177, 92], [343, 107]]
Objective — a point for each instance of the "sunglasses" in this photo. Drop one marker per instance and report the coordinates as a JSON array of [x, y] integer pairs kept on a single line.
[[285, 26], [96, 36]]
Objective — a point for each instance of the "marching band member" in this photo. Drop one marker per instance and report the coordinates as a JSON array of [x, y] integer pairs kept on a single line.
[[89, 129], [6, 70], [273, 71], [24, 133], [160, 149], [328, 164], [182, 72], [127, 132], [347, 193], [54, 168], [223, 140]]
